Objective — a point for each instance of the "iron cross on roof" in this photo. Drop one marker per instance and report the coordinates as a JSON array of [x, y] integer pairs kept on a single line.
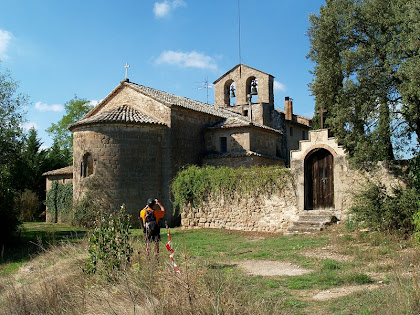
[[321, 112], [126, 69]]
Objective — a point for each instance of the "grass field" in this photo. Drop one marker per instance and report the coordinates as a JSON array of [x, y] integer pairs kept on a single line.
[[222, 272]]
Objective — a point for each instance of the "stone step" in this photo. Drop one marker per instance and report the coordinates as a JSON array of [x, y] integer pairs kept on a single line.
[[311, 222], [302, 230], [317, 218], [308, 223]]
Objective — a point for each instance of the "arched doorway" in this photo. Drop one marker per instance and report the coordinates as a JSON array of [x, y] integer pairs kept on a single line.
[[319, 180]]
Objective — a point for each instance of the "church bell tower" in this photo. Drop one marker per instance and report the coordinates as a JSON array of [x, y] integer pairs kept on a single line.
[[247, 91]]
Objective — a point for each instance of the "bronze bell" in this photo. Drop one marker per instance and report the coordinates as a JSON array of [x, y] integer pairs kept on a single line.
[[232, 91], [254, 90]]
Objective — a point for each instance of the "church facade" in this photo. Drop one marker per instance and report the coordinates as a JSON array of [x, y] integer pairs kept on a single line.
[[132, 144]]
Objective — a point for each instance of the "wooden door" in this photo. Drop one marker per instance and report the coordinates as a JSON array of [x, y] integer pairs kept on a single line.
[[319, 180]]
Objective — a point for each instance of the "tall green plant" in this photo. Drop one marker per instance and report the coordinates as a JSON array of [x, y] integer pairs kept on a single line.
[[109, 247]]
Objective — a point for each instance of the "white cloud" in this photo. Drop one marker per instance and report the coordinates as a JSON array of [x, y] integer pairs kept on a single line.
[[279, 86], [94, 102], [190, 59], [5, 38], [30, 125], [42, 107], [164, 8]]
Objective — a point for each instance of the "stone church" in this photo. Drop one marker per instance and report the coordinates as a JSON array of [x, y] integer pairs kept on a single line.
[[132, 144]]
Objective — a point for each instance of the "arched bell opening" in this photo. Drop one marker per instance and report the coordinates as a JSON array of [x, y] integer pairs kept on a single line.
[[319, 180], [252, 88], [230, 93]]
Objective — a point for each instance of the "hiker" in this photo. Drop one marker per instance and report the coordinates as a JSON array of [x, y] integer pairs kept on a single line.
[[151, 229]]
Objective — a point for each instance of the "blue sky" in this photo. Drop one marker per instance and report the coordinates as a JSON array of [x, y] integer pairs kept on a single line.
[[58, 49]]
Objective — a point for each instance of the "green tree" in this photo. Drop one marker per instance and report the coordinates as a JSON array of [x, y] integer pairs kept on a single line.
[[409, 71], [28, 169], [11, 117], [326, 33], [58, 157], [360, 72], [35, 161], [75, 109]]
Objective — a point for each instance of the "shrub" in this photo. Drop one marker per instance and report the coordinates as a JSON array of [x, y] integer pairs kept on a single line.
[[59, 202], [415, 183], [85, 212], [27, 205], [375, 208], [416, 222], [109, 248]]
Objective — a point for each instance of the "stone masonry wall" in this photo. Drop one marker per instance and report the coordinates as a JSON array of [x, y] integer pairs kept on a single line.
[[138, 101], [248, 161], [268, 213], [187, 137], [277, 212], [127, 164], [240, 75]]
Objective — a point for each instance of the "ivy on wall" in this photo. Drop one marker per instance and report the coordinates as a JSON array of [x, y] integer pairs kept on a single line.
[[59, 201], [194, 185]]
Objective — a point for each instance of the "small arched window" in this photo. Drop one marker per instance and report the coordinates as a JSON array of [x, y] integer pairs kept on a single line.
[[87, 165]]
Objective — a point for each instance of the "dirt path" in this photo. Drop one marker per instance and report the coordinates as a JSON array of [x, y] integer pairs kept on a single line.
[[278, 268], [272, 268]]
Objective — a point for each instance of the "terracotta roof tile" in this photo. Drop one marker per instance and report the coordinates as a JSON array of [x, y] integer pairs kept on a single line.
[[61, 171], [235, 122], [232, 119], [122, 114], [175, 100]]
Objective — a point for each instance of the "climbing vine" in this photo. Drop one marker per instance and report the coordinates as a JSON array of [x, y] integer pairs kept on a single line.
[[59, 201], [194, 185]]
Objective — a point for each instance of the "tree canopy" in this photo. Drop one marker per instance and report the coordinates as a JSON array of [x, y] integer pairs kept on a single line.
[[366, 74], [75, 109], [11, 117]]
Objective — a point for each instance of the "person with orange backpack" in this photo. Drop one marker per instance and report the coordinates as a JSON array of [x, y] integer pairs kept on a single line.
[[151, 228]]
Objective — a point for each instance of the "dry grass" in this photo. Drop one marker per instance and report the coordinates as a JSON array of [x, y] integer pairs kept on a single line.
[[54, 282]]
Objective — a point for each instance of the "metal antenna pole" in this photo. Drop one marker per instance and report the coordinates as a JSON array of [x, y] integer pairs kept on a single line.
[[239, 33]]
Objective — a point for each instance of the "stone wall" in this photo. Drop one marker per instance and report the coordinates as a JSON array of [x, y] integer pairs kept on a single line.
[[264, 213], [294, 134], [127, 95], [127, 165], [241, 75], [187, 137], [263, 141], [276, 212], [242, 161]]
